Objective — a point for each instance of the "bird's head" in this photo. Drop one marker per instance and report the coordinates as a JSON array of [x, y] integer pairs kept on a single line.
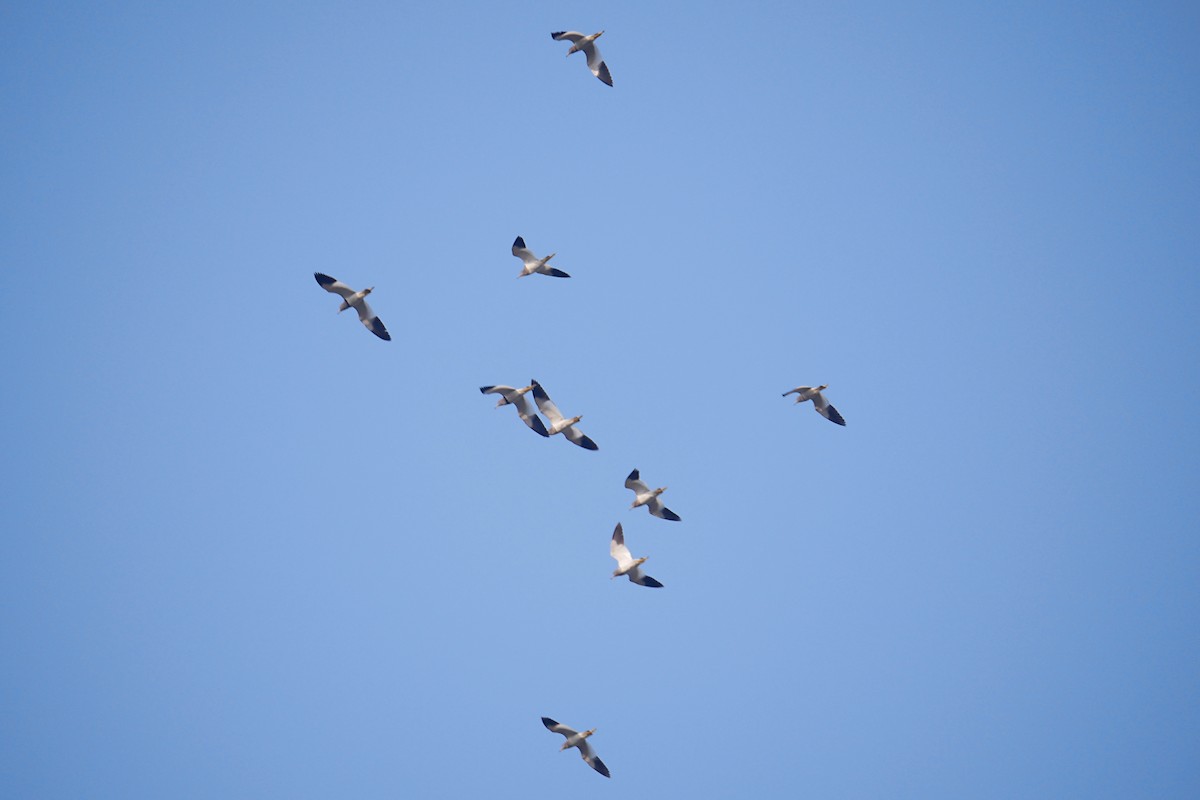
[[586, 734], [659, 490], [822, 388], [575, 419], [637, 562], [528, 388], [598, 35]]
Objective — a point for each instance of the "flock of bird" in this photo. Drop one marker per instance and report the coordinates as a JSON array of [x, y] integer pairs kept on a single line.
[[627, 565]]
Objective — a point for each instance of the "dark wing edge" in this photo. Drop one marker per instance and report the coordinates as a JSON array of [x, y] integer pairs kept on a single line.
[[550, 724], [538, 426], [324, 279], [834, 416], [376, 327], [558, 273], [604, 75], [671, 515], [598, 765], [650, 582], [586, 442]]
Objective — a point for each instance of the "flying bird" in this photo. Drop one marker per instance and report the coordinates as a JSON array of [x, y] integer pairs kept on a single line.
[[533, 263], [627, 564], [357, 301], [516, 397], [558, 423], [577, 739], [588, 45], [823, 408], [649, 499]]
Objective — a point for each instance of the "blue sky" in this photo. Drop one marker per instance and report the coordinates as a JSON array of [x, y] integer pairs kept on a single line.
[[251, 551]]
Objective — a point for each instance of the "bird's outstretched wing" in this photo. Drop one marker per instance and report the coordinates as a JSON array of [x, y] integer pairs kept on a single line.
[[567, 36], [577, 436], [522, 252], [634, 482], [662, 512], [333, 284], [596, 63], [558, 727], [827, 411], [617, 548], [545, 404]]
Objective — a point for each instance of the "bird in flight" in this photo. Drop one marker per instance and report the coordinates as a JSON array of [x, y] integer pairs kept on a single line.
[[533, 263], [822, 406], [357, 301], [558, 423], [516, 397], [577, 739], [648, 498], [588, 45], [628, 565]]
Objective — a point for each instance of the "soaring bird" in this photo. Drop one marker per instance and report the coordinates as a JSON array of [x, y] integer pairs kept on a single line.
[[558, 423], [516, 397], [588, 45], [819, 403], [577, 739], [627, 564], [648, 498], [533, 263], [357, 301]]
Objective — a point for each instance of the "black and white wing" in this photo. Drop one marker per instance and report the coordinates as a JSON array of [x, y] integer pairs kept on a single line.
[[592, 760], [662, 512], [373, 323], [827, 411], [617, 548], [634, 482], [596, 63], [558, 727], [524, 253], [800, 390], [333, 285], [545, 404], [642, 579], [578, 437], [567, 36]]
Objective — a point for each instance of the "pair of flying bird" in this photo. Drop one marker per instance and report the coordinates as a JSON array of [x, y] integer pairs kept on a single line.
[[558, 423], [627, 565]]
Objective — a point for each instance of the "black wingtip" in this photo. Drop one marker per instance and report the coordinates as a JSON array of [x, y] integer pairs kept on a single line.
[[538, 392], [671, 515], [558, 273], [485, 389], [604, 75], [599, 767], [834, 416], [633, 476], [380, 331], [539, 427], [324, 279], [520, 242], [549, 723], [651, 583], [587, 444], [557, 34]]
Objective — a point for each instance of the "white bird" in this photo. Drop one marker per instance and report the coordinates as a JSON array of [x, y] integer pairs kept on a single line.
[[588, 45], [648, 498], [577, 739], [533, 263], [558, 423], [627, 564], [357, 301], [822, 406], [516, 397]]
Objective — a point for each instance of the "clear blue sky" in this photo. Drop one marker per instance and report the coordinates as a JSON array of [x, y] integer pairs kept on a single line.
[[250, 551]]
